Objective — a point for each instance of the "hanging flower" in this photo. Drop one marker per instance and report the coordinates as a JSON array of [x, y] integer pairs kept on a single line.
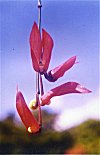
[[59, 71], [45, 50], [66, 88], [41, 50], [25, 114]]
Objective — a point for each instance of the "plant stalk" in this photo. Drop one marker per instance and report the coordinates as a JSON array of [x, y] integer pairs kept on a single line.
[[38, 85]]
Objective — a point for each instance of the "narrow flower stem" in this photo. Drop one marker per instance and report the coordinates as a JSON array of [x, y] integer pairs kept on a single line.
[[38, 74], [41, 85], [39, 115], [39, 26], [37, 89], [39, 14]]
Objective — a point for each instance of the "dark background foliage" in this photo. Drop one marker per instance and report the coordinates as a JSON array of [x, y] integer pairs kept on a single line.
[[83, 139]]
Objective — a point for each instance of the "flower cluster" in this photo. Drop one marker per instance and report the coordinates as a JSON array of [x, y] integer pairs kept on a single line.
[[41, 49]]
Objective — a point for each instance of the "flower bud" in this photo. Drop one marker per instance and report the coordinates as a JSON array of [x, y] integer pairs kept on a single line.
[[32, 104], [25, 114], [45, 99]]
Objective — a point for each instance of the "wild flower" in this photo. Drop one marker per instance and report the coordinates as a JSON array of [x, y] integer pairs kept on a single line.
[[41, 50]]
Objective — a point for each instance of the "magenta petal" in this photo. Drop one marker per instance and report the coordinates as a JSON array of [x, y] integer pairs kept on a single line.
[[66, 88], [35, 62], [69, 87], [35, 46], [25, 114], [61, 69], [47, 44], [82, 89]]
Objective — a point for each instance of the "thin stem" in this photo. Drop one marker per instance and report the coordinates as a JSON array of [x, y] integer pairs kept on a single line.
[[39, 115], [38, 74], [37, 88], [37, 83], [39, 14], [41, 85]]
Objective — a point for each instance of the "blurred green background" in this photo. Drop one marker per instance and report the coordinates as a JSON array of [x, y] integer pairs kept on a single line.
[[82, 139]]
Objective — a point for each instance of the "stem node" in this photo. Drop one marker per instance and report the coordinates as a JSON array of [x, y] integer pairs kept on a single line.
[[39, 4]]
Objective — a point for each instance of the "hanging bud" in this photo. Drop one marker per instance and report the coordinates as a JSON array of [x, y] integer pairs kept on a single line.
[[25, 114], [66, 88], [59, 71], [33, 105]]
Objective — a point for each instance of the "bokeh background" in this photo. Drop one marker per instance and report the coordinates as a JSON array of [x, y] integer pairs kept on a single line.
[[71, 122]]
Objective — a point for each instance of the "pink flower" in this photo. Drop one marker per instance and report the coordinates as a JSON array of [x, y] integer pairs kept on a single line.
[[59, 71], [40, 49], [25, 114], [66, 88], [41, 54]]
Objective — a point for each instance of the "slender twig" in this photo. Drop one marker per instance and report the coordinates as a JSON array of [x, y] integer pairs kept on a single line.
[[38, 74], [39, 26], [39, 14], [39, 115], [41, 85]]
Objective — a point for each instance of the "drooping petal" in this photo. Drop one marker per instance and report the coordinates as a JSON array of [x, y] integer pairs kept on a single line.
[[47, 44], [25, 114], [59, 71], [35, 46], [66, 88], [35, 62]]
